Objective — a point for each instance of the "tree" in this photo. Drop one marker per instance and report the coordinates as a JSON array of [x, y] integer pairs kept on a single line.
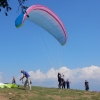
[[5, 5]]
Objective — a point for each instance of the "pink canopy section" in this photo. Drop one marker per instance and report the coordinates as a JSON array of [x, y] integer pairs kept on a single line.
[[51, 16], [40, 7]]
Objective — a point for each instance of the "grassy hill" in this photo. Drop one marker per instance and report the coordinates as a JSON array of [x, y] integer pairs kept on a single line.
[[42, 93]]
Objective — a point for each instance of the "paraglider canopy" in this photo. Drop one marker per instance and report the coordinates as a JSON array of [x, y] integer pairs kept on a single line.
[[8, 85], [46, 19]]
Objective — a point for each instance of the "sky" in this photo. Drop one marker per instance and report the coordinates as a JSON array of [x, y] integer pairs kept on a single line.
[[33, 49]]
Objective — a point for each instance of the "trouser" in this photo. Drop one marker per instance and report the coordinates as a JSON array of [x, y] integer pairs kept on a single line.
[[87, 88], [68, 87], [63, 85], [27, 82]]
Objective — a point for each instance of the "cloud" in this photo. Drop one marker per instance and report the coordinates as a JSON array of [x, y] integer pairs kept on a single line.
[[92, 72], [77, 76]]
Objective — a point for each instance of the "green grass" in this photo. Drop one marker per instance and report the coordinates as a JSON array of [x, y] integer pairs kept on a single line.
[[42, 93]]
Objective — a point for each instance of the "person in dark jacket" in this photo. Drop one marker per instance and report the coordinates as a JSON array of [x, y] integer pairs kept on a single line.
[[63, 83], [59, 80], [68, 84], [86, 85], [13, 81]]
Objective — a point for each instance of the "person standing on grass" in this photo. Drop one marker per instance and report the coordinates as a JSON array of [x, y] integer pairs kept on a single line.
[[68, 84], [86, 85], [28, 81], [59, 80], [13, 81], [63, 83]]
